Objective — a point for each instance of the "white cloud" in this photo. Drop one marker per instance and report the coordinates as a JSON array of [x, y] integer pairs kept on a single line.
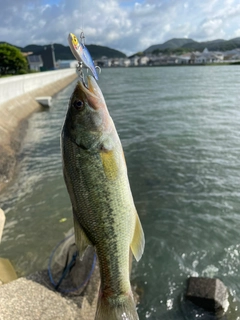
[[210, 29], [237, 33], [126, 25]]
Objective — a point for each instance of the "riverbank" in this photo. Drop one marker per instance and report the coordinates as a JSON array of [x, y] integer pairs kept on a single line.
[[17, 103], [33, 297]]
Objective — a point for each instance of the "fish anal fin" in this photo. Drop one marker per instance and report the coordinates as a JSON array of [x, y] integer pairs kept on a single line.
[[138, 241], [81, 240]]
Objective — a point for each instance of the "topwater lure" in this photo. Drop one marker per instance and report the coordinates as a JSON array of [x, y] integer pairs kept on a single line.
[[81, 53]]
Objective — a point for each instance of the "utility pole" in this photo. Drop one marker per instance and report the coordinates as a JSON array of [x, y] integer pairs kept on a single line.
[[53, 56]]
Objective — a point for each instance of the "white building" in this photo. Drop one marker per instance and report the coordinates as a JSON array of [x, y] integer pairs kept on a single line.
[[35, 62], [124, 62], [64, 64], [134, 60], [143, 61], [207, 57]]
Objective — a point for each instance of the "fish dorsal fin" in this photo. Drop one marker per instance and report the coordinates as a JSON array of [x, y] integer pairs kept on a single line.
[[138, 241], [81, 240]]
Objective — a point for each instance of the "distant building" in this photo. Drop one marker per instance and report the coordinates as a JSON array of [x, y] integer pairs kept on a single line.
[[48, 57], [143, 61], [206, 57], [158, 61], [232, 55], [64, 64], [172, 60], [134, 60], [126, 62], [115, 62], [35, 62]]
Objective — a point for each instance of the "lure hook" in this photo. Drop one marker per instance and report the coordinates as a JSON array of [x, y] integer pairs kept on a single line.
[[82, 38], [80, 71], [99, 69]]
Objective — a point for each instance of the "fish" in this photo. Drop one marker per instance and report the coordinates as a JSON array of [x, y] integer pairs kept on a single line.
[[104, 213], [81, 53]]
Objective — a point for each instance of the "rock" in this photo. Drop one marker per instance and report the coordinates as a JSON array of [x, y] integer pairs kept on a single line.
[[2, 222], [26, 300], [209, 294], [35, 298]]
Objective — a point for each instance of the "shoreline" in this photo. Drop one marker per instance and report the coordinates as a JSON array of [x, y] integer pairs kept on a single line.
[[14, 115]]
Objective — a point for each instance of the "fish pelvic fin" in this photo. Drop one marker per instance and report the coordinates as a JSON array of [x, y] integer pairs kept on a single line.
[[138, 241], [121, 308], [81, 240]]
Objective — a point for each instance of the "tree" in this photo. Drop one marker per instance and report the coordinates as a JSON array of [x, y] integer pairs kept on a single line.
[[11, 60]]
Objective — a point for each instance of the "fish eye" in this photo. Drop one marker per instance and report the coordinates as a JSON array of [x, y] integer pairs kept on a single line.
[[78, 104]]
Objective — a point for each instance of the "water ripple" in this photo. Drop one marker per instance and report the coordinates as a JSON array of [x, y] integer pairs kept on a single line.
[[180, 132]]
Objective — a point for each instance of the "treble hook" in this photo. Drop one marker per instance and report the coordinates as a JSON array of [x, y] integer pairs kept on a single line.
[[99, 69], [82, 37], [80, 71]]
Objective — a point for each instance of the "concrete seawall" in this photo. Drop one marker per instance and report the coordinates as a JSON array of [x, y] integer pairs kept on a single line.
[[17, 103], [12, 87]]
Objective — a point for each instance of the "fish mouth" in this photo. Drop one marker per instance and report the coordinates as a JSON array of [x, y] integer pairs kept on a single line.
[[91, 88]]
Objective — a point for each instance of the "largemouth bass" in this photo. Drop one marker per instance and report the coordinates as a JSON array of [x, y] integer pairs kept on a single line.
[[104, 213]]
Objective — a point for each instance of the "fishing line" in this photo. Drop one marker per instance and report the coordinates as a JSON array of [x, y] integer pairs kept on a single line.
[[81, 18]]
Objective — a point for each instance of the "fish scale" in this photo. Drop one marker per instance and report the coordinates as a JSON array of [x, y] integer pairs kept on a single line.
[[103, 201]]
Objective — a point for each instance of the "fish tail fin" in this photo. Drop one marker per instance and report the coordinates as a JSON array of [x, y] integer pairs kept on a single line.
[[121, 308]]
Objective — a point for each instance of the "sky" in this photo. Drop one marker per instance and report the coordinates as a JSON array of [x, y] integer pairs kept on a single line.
[[125, 25]]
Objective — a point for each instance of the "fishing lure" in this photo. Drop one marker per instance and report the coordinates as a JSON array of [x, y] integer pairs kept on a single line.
[[81, 53]]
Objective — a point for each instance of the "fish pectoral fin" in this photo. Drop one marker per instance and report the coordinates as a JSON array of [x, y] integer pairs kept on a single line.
[[110, 164], [138, 241], [81, 240]]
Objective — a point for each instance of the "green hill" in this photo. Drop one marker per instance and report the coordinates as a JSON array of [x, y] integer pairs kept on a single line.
[[64, 53], [170, 44], [100, 51], [192, 45], [215, 45]]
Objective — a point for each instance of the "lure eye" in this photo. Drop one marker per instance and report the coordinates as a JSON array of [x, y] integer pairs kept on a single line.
[[75, 40], [78, 104]]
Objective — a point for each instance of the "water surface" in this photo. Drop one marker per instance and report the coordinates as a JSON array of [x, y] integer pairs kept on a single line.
[[180, 130]]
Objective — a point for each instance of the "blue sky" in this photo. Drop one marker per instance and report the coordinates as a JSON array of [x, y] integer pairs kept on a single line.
[[126, 25]]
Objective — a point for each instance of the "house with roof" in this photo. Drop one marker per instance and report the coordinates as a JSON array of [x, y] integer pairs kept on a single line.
[[207, 57], [172, 60], [35, 62], [143, 61], [126, 62], [134, 60], [232, 55]]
